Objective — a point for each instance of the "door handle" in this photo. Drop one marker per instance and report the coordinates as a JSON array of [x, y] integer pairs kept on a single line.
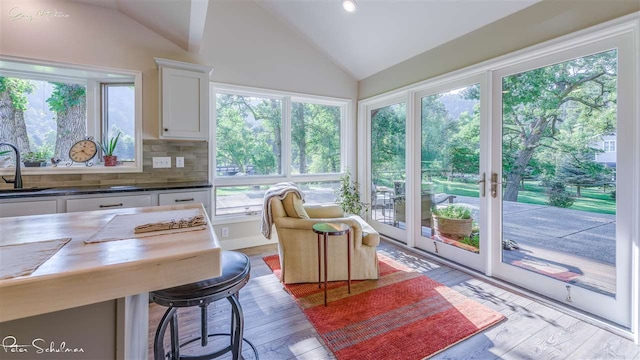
[[483, 188], [494, 185]]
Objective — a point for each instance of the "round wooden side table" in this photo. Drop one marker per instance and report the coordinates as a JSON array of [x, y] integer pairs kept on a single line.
[[332, 229]]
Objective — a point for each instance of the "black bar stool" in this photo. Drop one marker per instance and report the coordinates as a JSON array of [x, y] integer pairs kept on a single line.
[[235, 275]]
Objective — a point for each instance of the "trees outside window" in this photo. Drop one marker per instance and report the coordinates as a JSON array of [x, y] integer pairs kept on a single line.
[[557, 114], [254, 151]]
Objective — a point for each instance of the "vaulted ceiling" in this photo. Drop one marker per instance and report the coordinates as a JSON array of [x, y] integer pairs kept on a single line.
[[380, 34]]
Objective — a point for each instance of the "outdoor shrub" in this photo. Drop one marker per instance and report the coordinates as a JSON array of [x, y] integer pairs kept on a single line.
[[454, 212], [558, 194], [473, 240], [613, 194]]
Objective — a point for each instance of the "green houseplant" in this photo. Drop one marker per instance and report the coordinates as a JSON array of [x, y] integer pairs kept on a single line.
[[108, 146], [453, 222], [348, 196], [37, 158]]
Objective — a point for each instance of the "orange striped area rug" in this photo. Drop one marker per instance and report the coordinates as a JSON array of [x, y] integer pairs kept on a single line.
[[403, 315]]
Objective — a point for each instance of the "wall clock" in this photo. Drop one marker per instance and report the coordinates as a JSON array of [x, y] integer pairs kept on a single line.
[[83, 151]]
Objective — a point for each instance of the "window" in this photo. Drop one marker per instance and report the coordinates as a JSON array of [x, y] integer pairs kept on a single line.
[[118, 103], [264, 137], [45, 109], [315, 138], [249, 136], [609, 146]]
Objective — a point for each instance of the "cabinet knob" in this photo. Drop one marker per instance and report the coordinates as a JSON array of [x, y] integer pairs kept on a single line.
[[165, 129]]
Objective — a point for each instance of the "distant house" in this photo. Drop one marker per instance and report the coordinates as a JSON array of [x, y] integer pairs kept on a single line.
[[608, 145]]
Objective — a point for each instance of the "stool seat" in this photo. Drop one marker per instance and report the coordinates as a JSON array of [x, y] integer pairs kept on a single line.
[[236, 269], [235, 272]]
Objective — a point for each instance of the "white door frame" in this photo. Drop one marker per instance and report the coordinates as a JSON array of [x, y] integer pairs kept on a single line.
[[618, 308]]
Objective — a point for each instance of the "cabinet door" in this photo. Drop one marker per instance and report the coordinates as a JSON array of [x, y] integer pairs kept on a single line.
[[185, 104], [105, 203], [28, 208], [176, 198]]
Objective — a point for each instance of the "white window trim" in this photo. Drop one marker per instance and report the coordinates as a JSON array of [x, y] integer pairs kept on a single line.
[[287, 98], [93, 110]]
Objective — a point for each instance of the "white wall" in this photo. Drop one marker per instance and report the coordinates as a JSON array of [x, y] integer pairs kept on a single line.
[[540, 22]]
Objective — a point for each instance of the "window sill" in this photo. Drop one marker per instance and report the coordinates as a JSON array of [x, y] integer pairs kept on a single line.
[[75, 169], [235, 218]]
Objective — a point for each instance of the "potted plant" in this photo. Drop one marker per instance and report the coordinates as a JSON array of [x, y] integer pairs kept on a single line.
[[453, 222], [36, 158], [348, 196], [108, 147]]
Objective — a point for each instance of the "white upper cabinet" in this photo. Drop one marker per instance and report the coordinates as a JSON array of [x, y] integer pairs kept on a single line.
[[184, 100]]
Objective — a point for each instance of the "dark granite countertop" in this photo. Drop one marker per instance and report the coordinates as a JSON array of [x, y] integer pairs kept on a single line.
[[99, 189]]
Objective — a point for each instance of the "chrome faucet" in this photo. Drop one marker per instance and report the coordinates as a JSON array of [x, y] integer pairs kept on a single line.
[[17, 179]]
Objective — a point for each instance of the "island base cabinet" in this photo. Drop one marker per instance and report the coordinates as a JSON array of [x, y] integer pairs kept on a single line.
[[85, 332], [114, 329]]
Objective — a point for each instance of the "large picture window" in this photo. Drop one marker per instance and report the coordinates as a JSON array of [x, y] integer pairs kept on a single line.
[[265, 137]]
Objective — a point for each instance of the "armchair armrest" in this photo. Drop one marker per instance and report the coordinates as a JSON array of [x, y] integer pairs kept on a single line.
[[307, 224]]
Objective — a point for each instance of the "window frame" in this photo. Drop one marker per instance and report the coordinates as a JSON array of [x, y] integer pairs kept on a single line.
[[286, 98], [93, 77]]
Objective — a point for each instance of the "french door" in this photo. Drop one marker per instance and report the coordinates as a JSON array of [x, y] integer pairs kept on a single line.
[[538, 156], [563, 193], [453, 166], [386, 146]]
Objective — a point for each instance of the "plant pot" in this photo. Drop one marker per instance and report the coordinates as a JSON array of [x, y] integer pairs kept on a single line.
[[34, 164], [455, 229], [110, 160]]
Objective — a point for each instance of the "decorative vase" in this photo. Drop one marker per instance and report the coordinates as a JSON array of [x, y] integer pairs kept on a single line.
[[110, 160], [456, 229]]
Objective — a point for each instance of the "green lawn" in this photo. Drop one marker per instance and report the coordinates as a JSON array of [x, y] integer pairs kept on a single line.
[[592, 199]]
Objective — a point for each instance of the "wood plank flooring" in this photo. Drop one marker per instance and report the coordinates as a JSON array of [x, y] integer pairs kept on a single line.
[[279, 329]]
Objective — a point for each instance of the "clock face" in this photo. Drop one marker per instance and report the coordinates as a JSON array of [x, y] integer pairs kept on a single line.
[[83, 150]]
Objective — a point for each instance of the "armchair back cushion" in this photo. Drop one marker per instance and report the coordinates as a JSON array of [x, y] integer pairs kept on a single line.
[[293, 207]]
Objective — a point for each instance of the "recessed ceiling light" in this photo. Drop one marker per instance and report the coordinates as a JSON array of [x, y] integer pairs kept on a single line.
[[350, 5]]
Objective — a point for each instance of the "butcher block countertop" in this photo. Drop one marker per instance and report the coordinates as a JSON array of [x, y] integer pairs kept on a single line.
[[81, 274]]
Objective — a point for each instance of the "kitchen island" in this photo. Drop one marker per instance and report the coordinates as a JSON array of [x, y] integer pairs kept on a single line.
[[95, 287]]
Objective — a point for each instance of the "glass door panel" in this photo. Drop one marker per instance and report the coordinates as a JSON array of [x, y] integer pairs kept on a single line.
[[388, 168], [559, 186], [450, 173]]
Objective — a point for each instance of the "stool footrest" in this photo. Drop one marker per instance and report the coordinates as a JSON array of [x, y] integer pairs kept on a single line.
[[217, 353]]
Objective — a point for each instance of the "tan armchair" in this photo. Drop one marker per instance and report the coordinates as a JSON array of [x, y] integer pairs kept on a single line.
[[298, 246]]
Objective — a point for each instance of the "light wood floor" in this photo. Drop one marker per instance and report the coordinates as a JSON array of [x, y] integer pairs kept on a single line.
[[279, 329]]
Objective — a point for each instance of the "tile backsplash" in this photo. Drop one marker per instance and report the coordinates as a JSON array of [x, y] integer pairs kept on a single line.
[[195, 168]]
